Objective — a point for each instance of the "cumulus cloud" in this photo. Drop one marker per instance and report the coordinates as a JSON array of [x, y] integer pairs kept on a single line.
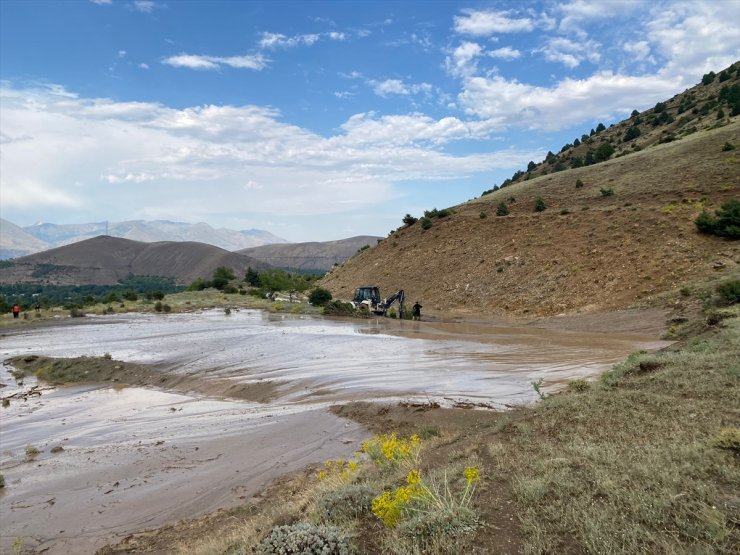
[[640, 50], [481, 23], [195, 61], [99, 154], [602, 95], [505, 53], [461, 61], [396, 86], [102, 2], [695, 37], [570, 53], [576, 13]]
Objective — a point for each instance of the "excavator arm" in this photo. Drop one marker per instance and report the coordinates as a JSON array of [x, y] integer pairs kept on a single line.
[[397, 296]]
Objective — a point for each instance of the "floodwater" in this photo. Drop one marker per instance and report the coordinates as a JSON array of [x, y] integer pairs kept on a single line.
[[137, 458]]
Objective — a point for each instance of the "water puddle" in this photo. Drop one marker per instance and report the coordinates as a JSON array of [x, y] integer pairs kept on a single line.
[[134, 458]]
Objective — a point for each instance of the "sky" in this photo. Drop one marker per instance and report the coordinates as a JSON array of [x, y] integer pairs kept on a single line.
[[319, 120]]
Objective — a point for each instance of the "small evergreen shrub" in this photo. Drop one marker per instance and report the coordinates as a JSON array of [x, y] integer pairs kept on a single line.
[[166, 308], [606, 192], [725, 224], [304, 539], [502, 209], [579, 183], [729, 292], [539, 205], [482, 216], [426, 223], [319, 296], [727, 147], [408, 219], [158, 306]]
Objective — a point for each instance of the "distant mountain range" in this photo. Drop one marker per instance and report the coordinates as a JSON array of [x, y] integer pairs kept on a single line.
[[105, 260], [16, 241], [310, 256]]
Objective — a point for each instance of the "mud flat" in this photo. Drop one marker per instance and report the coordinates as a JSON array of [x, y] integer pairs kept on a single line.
[[135, 458]]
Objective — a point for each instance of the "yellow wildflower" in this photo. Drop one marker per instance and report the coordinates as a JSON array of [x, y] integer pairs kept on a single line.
[[471, 474]]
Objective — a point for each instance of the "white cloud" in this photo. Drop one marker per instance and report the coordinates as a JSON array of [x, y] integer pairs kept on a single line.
[[461, 62], [194, 61], [144, 6], [640, 50], [695, 37], [570, 53], [121, 53], [143, 66], [343, 94], [578, 12], [567, 103], [505, 53], [102, 2], [194, 162], [479, 23], [271, 41], [396, 86]]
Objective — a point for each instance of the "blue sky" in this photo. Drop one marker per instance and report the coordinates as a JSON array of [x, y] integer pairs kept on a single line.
[[319, 120]]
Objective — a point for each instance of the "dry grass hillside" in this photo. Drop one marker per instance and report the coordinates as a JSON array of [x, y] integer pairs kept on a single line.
[[585, 252], [105, 260]]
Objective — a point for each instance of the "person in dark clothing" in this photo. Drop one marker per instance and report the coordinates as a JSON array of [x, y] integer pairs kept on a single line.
[[416, 311], [16, 310]]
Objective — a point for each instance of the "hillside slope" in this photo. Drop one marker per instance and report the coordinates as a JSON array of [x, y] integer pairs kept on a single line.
[[105, 260], [312, 255], [584, 252]]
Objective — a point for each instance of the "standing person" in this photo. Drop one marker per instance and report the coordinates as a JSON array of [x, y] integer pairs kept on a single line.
[[16, 310], [416, 311]]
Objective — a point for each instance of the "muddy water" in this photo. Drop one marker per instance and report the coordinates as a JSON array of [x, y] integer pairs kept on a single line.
[[137, 458]]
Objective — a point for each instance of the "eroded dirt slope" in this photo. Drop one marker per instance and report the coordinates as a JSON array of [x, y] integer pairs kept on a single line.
[[585, 252]]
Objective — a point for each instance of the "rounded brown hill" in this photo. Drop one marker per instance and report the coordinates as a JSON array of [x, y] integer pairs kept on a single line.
[[624, 236], [105, 260]]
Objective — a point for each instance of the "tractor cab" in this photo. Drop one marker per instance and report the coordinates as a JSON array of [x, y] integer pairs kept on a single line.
[[369, 294]]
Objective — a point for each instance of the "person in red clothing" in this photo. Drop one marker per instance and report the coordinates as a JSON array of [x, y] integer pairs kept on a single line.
[[16, 310]]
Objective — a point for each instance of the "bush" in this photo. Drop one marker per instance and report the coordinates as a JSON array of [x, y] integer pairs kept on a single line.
[[349, 502], [130, 296], [604, 152], [502, 209], [606, 192], [448, 531], [726, 224], [539, 205], [632, 133], [579, 183], [727, 147], [338, 308], [707, 78], [158, 306], [319, 296], [408, 219], [729, 292], [166, 308], [303, 538], [221, 277], [482, 216], [426, 223]]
